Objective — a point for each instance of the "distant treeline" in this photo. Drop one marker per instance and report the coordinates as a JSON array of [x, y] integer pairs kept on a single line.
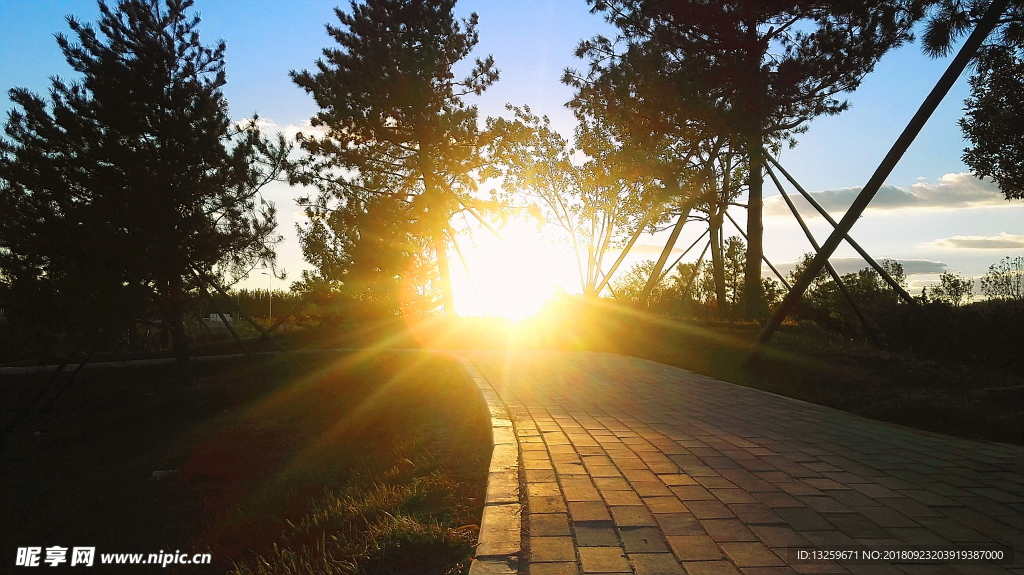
[[953, 317]]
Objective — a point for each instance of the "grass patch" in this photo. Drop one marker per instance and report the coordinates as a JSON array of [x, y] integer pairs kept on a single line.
[[341, 463], [980, 399]]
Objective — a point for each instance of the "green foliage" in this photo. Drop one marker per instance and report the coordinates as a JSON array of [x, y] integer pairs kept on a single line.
[[628, 287], [594, 202], [397, 128], [730, 77], [120, 184], [366, 262], [954, 289], [994, 122], [1005, 279]]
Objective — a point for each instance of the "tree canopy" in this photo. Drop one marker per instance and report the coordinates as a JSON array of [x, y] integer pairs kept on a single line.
[[752, 70], [994, 120], [120, 185], [394, 117]]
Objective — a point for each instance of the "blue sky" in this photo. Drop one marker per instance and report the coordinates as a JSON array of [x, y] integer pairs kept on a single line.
[[532, 42]]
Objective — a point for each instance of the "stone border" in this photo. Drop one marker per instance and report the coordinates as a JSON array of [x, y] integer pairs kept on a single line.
[[500, 543]]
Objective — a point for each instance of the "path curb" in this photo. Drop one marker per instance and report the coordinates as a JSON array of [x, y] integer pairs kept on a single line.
[[500, 541]]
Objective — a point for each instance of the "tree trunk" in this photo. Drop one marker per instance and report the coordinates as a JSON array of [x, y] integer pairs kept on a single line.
[[756, 307], [645, 296], [716, 261], [176, 323]]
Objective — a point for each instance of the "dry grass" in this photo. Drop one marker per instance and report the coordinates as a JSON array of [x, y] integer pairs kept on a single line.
[[344, 463]]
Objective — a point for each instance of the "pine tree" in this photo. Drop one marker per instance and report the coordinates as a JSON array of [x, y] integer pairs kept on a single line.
[[994, 121], [396, 122], [123, 183], [753, 70]]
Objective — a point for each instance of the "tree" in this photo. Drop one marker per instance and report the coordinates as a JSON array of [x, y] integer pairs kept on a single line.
[[953, 288], [758, 70], [994, 122], [628, 287], [593, 202], [124, 183], [365, 259], [1005, 279], [396, 123]]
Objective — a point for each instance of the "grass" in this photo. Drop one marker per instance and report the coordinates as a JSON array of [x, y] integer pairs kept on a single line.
[[344, 463]]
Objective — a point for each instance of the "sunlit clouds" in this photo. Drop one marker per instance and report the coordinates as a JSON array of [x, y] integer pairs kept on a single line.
[[951, 191], [1000, 241]]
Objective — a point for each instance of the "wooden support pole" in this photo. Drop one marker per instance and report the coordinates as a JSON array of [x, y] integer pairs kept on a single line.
[[763, 257], [669, 269], [625, 251], [693, 276], [655, 277], [245, 349], [863, 253], [814, 243], [949, 77], [203, 278]]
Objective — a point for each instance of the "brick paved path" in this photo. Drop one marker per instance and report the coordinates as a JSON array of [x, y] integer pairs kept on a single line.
[[636, 467]]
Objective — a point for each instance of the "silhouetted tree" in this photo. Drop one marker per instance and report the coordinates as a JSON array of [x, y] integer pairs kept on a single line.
[[595, 202], [994, 122], [756, 70], [1005, 279], [953, 288], [118, 186], [363, 253], [396, 124]]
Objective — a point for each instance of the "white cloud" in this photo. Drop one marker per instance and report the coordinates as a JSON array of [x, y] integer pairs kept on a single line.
[[951, 191], [270, 127], [1000, 241], [845, 266]]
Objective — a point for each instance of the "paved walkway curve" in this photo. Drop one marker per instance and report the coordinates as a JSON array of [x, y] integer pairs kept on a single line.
[[631, 466]]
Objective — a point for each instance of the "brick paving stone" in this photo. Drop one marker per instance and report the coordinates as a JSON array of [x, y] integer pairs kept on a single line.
[[643, 540], [709, 509], [551, 549], [636, 457], [679, 524], [588, 511], [751, 554], [548, 524], [779, 536], [561, 568], [657, 564], [692, 493], [611, 483], [711, 568], [603, 560], [728, 530], [755, 513], [650, 488], [694, 547], [778, 499], [632, 516], [596, 534], [803, 519], [767, 571], [733, 496], [677, 480], [621, 498], [664, 504]]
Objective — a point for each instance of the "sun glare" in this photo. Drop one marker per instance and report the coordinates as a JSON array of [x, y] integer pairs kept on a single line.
[[511, 279]]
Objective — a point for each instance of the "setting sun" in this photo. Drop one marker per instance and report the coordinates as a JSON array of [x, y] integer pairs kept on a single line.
[[511, 278]]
